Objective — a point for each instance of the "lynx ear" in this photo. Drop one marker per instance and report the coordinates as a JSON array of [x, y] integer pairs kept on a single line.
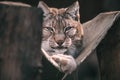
[[44, 7], [73, 10]]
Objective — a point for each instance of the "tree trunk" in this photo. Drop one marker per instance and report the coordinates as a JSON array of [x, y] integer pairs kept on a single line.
[[109, 54], [20, 37]]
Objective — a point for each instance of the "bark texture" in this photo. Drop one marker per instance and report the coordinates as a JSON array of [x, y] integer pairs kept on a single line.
[[20, 38]]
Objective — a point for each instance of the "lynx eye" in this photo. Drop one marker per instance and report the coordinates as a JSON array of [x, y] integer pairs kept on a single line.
[[49, 29], [67, 28], [70, 31]]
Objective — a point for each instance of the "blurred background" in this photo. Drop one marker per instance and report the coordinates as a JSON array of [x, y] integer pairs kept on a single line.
[[88, 9]]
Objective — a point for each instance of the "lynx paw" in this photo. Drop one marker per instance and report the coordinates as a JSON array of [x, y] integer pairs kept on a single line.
[[67, 63]]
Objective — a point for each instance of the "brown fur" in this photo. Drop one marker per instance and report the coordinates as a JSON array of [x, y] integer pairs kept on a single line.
[[62, 34]]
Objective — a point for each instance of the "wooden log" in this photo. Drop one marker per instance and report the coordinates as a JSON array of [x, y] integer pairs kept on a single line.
[[20, 38], [108, 53], [94, 32]]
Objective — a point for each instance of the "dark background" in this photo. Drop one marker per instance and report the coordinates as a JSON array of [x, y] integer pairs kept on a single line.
[[88, 8]]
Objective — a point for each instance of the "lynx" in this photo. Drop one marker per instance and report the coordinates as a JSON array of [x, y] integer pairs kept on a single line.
[[62, 35]]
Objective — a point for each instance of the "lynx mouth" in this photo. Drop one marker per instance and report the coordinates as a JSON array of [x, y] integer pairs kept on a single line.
[[59, 47]]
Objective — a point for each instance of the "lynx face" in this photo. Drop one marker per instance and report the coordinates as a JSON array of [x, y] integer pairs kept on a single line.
[[62, 30]]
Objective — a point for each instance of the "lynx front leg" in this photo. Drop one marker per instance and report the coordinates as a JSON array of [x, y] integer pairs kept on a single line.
[[67, 63]]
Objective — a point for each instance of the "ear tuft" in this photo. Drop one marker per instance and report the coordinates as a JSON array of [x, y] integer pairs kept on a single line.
[[73, 10], [44, 7]]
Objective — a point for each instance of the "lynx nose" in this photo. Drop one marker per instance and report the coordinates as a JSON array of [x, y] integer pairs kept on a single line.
[[59, 38], [60, 42]]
